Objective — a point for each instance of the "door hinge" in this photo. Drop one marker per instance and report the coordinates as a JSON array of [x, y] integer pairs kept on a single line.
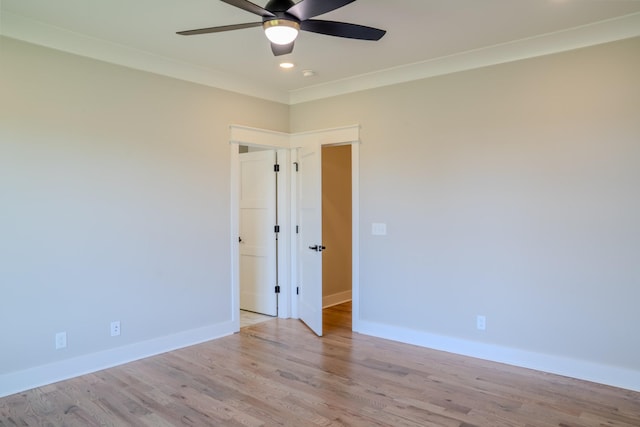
[[297, 290], [276, 168], [297, 229], [296, 164], [276, 229], [277, 289]]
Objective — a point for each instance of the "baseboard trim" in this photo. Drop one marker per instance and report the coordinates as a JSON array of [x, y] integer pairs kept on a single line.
[[579, 369], [16, 382], [335, 299]]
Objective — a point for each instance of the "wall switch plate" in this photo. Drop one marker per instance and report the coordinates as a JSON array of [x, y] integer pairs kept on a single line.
[[115, 328], [378, 229], [481, 322], [61, 340]]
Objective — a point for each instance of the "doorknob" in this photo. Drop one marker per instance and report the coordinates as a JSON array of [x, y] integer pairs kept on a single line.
[[317, 248]]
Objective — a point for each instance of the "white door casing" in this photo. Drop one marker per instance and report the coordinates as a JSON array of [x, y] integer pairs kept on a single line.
[[289, 263], [257, 240]]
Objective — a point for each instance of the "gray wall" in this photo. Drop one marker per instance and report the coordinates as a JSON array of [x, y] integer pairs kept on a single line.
[[115, 203], [510, 191]]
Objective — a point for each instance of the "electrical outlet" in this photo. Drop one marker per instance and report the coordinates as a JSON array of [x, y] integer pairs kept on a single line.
[[378, 229], [115, 328], [61, 340], [481, 322]]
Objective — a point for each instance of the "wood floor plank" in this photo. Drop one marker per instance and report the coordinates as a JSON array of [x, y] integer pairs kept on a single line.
[[277, 373]]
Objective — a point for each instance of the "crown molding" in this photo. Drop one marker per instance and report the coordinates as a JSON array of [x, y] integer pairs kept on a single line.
[[624, 27], [31, 31], [35, 32]]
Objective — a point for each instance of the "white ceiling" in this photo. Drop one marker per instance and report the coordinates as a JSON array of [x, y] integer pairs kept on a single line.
[[424, 38]]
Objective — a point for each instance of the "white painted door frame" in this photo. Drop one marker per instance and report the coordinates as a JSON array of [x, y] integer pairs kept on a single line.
[[349, 135], [286, 146], [280, 142]]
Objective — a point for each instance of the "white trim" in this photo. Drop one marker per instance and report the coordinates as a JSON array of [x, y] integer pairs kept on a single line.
[[234, 225], [341, 135], [278, 141], [609, 30], [39, 33], [293, 267], [355, 236], [246, 135], [288, 143], [574, 368], [16, 382], [335, 299], [32, 31], [284, 240]]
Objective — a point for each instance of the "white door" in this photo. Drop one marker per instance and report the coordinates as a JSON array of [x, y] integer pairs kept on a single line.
[[257, 235], [310, 237]]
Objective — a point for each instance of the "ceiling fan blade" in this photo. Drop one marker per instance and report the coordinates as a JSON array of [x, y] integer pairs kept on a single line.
[[342, 29], [281, 49], [249, 7], [219, 29], [309, 8]]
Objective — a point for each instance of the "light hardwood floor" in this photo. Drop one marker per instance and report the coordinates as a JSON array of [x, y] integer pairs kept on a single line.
[[248, 318], [278, 373]]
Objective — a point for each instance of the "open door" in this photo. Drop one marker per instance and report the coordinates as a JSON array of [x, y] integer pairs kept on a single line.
[[257, 241], [310, 237]]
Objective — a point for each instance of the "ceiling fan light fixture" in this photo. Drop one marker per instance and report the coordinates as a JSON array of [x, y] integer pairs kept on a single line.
[[281, 31], [283, 19]]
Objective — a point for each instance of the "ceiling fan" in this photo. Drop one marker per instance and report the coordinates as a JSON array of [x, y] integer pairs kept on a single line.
[[283, 19]]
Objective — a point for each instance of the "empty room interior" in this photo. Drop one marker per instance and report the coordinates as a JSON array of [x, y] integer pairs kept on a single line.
[[434, 212]]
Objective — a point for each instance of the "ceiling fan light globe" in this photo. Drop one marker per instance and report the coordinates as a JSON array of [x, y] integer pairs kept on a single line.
[[281, 31]]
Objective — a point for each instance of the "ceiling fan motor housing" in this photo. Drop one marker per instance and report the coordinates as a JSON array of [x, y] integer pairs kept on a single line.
[[279, 5], [279, 9]]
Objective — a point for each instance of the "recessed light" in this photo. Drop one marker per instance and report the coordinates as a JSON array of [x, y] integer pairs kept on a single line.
[[286, 65], [308, 73]]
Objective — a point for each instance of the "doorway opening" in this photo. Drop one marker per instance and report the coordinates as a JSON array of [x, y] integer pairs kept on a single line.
[[297, 169], [336, 319], [336, 226], [328, 238]]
